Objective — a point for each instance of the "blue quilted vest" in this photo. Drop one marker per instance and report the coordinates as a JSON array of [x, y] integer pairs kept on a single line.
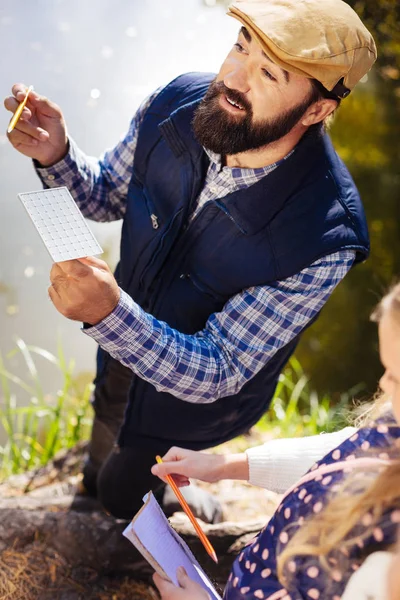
[[182, 271]]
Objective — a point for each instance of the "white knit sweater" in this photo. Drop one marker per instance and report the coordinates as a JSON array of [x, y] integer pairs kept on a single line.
[[278, 464]]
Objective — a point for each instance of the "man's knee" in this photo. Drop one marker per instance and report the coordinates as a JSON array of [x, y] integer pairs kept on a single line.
[[124, 479]]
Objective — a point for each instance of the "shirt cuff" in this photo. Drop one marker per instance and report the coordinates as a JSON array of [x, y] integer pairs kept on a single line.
[[112, 332], [64, 172]]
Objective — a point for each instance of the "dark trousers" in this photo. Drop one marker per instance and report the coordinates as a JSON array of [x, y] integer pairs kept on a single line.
[[120, 477]]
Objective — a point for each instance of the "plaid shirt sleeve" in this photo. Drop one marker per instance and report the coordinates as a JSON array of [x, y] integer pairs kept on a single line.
[[235, 343], [99, 186]]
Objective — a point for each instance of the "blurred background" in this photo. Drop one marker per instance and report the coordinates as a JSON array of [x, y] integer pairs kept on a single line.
[[98, 60]]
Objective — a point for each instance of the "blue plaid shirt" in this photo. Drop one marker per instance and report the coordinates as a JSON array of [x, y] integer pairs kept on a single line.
[[236, 342]]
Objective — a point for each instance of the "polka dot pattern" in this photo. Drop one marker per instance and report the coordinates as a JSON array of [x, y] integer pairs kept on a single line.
[[284, 538], [265, 573], [255, 571], [292, 566], [318, 506], [378, 534], [367, 520], [382, 428]]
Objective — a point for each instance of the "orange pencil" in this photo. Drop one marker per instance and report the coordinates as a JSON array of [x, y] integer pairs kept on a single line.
[[203, 538]]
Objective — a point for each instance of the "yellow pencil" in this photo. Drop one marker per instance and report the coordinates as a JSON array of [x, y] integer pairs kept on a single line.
[[203, 538], [19, 110]]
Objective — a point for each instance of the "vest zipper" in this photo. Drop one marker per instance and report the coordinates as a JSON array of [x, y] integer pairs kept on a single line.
[[200, 287], [228, 214], [160, 245], [151, 208]]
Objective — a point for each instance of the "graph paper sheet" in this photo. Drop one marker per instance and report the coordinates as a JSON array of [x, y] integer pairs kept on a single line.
[[60, 224]]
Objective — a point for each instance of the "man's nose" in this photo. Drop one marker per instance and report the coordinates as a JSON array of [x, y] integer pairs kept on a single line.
[[237, 79]]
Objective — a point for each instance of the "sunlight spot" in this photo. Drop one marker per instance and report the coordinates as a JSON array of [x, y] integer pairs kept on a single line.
[[107, 52], [131, 31], [29, 272], [64, 26]]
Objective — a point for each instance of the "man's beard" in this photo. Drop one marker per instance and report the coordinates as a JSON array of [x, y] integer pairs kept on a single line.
[[224, 133]]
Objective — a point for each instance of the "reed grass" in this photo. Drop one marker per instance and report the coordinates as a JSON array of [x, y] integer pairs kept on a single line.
[[37, 424]]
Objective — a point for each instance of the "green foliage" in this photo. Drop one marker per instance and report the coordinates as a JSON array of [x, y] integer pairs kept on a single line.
[[382, 19], [47, 424], [37, 430], [297, 410]]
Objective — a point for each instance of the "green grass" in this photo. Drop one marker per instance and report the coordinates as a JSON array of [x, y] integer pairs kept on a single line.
[[38, 424], [297, 409]]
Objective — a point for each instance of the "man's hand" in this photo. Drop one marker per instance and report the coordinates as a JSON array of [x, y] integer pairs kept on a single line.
[[40, 132], [183, 464], [83, 290], [188, 590]]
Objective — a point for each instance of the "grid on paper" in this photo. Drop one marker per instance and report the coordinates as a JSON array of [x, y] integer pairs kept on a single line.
[[60, 224]]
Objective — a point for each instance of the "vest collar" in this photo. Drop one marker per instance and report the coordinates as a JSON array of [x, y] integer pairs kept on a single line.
[[250, 212]]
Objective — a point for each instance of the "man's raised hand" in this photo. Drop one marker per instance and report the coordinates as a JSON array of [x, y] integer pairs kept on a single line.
[[40, 132]]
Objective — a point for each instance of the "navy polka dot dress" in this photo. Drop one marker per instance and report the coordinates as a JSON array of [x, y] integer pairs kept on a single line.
[[254, 572]]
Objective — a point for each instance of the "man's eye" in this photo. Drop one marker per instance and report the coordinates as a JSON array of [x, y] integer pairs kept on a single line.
[[269, 75], [238, 47]]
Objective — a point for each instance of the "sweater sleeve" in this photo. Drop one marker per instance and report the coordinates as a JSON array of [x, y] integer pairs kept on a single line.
[[278, 464]]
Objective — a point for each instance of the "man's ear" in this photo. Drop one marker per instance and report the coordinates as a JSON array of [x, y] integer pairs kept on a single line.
[[318, 111]]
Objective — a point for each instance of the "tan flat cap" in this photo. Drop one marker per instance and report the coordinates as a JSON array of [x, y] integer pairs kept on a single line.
[[320, 39]]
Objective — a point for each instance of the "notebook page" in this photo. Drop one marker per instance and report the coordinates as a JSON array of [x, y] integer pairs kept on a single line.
[[168, 549]]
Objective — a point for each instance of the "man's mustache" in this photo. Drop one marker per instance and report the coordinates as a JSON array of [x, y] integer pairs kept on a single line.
[[218, 87]]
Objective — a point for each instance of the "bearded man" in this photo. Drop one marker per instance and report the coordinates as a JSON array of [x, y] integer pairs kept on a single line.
[[239, 219]]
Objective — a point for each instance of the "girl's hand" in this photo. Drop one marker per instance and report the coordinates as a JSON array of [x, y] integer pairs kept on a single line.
[[188, 590], [183, 464]]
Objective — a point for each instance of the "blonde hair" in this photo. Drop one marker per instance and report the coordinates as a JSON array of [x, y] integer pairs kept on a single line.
[[362, 493]]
